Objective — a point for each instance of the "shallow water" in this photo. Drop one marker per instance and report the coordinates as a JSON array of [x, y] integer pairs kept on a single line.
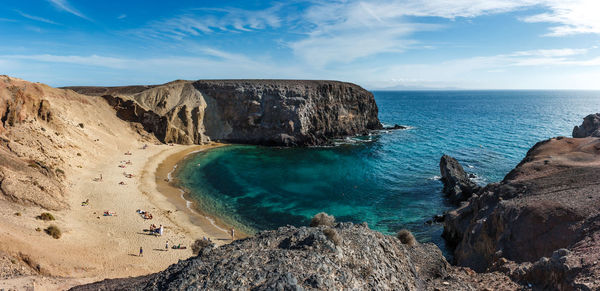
[[387, 179]]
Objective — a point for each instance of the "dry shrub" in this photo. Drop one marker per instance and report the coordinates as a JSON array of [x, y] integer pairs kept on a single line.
[[53, 231], [406, 237], [45, 216], [323, 219], [333, 236], [200, 244]]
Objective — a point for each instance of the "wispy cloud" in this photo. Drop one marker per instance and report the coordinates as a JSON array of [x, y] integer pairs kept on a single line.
[[65, 6], [196, 21], [122, 16], [571, 16], [36, 18]]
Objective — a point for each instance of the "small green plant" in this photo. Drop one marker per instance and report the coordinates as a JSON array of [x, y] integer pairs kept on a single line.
[[53, 231], [46, 216], [323, 219], [406, 237], [333, 236]]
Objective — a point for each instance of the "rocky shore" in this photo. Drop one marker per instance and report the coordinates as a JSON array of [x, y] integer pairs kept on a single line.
[[266, 112], [541, 224]]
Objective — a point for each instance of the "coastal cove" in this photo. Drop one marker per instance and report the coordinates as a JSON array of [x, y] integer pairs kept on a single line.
[[390, 178]]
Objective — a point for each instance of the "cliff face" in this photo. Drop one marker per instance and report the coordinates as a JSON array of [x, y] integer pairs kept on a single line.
[[269, 112], [541, 224], [307, 259]]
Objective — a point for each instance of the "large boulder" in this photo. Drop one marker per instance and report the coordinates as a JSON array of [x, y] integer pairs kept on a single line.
[[457, 184], [267, 112], [549, 202], [589, 127]]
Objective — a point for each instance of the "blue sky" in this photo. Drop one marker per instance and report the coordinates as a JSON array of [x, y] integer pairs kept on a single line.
[[496, 44]]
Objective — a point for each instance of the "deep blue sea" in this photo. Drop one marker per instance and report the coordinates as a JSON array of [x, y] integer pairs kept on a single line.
[[388, 179]]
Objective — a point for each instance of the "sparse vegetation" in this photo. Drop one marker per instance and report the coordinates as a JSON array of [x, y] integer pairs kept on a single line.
[[80, 125], [46, 216], [79, 154], [59, 171], [323, 219], [199, 245], [333, 236], [406, 237], [18, 214], [53, 231], [38, 229]]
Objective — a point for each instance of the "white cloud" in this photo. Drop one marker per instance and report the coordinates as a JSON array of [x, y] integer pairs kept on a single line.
[[122, 16], [571, 16], [65, 6], [36, 18], [197, 21]]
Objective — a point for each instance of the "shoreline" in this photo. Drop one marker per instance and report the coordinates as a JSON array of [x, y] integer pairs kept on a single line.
[[167, 185]]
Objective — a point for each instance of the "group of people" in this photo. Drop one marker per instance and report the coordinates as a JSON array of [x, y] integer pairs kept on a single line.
[[144, 214], [156, 230]]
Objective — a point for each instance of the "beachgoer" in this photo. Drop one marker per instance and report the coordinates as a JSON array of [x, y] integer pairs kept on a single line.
[[160, 230], [232, 234], [141, 252], [167, 246]]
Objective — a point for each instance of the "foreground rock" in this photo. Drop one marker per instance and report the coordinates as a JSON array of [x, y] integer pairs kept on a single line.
[[306, 258], [457, 184], [589, 127], [268, 112], [541, 224]]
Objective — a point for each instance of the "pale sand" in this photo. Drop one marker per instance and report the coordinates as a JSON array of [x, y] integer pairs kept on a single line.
[[86, 139], [93, 246]]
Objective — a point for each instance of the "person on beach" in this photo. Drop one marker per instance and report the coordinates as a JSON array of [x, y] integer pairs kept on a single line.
[[141, 252], [232, 233], [167, 246]]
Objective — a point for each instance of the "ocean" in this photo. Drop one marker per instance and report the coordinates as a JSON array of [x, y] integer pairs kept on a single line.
[[389, 179]]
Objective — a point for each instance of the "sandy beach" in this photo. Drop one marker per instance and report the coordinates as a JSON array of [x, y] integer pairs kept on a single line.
[[94, 246]]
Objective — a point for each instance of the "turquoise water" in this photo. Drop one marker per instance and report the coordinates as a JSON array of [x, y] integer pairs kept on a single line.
[[387, 179]]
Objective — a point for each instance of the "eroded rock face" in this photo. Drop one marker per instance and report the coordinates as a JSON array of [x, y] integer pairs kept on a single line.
[[306, 259], [457, 184], [268, 112], [550, 201], [589, 127]]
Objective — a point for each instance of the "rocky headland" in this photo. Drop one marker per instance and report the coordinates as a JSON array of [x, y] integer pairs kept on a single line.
[[541, 223], [266, 112]]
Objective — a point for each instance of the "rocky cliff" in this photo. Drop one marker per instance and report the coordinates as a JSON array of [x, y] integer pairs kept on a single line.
[[541, 224], [342, 257], [589, 127], [268, 112]]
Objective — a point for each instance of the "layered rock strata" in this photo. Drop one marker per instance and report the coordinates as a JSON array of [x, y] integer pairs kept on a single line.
[[268, 112]]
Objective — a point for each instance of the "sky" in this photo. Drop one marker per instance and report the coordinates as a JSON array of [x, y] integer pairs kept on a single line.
[[387, 44]]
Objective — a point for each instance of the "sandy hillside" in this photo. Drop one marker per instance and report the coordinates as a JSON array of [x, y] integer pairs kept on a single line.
[[54, 145]]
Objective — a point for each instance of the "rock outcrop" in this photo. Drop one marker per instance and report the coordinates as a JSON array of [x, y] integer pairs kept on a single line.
[[548, 203], [457, 184], [589, 127], [267, 112], [307, 258]]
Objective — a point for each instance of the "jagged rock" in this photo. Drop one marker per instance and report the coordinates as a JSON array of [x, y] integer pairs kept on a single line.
[[396, 126], [548, 202], [589, 127], [305, 259], [268, 112], [457, 184]]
